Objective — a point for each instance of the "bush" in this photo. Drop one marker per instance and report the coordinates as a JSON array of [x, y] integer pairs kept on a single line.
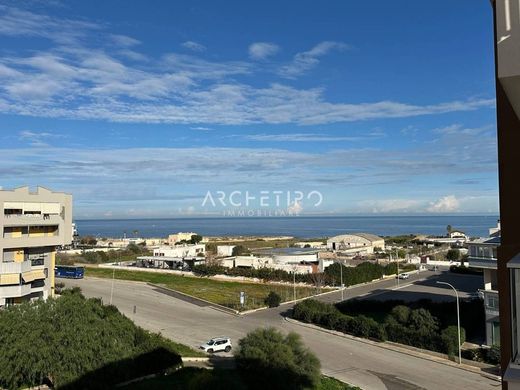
[[493, 355], [401, 313], [277, 361], [74, 342], [465, 270], [450, 339], [273, 299]]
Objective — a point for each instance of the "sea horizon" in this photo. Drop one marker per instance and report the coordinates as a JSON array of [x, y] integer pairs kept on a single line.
[[302, 226]]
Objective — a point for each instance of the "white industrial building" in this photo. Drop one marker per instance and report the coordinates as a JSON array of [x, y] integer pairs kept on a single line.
[[356, 243]]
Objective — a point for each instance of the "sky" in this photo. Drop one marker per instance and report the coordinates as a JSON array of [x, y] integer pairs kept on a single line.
[[199, 108]]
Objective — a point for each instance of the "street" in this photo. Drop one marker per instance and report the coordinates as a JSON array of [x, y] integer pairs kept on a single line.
[[364, 365]]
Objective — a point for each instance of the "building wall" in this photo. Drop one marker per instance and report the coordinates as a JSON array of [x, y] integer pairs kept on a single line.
[[32, 225], [180, 250], [174, 238]]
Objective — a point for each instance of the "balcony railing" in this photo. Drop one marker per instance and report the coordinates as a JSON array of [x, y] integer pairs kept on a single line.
[[14, 267], [31, 219]]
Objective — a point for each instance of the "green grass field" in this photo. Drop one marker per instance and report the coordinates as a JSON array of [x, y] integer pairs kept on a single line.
[[222, 292]]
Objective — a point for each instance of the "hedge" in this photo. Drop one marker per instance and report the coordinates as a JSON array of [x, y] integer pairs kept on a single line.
[[404, 329]]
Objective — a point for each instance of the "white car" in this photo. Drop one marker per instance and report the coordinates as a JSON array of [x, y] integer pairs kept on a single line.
[[217, 344], [404, 275]]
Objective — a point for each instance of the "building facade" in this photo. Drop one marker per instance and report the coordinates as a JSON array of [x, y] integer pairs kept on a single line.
[[175, 238], [482, 253], [507, 81], [33, 224]]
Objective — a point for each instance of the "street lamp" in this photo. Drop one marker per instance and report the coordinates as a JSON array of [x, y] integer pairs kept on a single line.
[[458, 314]]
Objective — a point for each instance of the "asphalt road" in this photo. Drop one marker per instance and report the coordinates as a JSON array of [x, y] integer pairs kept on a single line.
[[364, 365]]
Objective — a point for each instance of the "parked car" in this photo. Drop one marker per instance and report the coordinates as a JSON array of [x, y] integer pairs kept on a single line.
[[217, 344], [404, 275]]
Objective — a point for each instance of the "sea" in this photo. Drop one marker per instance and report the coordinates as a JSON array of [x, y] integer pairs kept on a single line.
[[296, 226]]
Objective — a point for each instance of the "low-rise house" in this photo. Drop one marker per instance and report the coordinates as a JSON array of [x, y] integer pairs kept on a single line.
[[225, 250], [175, 238]]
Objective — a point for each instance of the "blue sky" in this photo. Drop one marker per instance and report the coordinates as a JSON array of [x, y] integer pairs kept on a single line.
[[139, 109]]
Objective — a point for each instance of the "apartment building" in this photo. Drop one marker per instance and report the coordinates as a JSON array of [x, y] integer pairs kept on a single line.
[[33, 224], [482, 253]]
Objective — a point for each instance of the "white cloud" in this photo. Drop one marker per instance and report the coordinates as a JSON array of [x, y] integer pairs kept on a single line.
[[295, 208], [390, 205], [445, 204], [76, 82], [36, 138], [304, 61], [201, 128], [194, 46], [124, 40], [262, 50], [300, 137]]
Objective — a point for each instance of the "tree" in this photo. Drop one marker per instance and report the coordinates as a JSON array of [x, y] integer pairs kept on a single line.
[[449, 229], [276, 361], [401, 313], [422, 321], [240, 250], [453, 255], [273, 299], [195, 239]]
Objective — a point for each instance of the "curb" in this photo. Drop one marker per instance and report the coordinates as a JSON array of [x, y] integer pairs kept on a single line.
[[399, 349]]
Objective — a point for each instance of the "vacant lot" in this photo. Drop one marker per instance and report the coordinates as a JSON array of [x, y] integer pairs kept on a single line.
[[223, 293]]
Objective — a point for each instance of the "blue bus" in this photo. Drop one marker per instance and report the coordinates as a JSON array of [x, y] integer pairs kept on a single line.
[[69, 271]]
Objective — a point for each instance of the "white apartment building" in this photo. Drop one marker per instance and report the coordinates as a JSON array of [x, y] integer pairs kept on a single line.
[[483, 254], [33, 224]]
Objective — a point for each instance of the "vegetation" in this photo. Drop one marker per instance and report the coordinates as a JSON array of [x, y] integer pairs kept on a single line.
[[240, 250], [453, 255], [277, 361], [472, 314], [364, 272], [201, 379], [465, 270], [415, 325], [273, 299], [73, 342], [96, 257], [222, 292]]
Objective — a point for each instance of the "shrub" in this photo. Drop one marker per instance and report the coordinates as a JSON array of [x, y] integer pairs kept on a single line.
[[401, 313], [276, 361], [75, 342], [493, 354], [273, 299], [450, 339], [422, 321]]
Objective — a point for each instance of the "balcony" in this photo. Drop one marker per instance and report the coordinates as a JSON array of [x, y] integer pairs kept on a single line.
[[482, 262], [14, 267], [15, 291], [31, 219]]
